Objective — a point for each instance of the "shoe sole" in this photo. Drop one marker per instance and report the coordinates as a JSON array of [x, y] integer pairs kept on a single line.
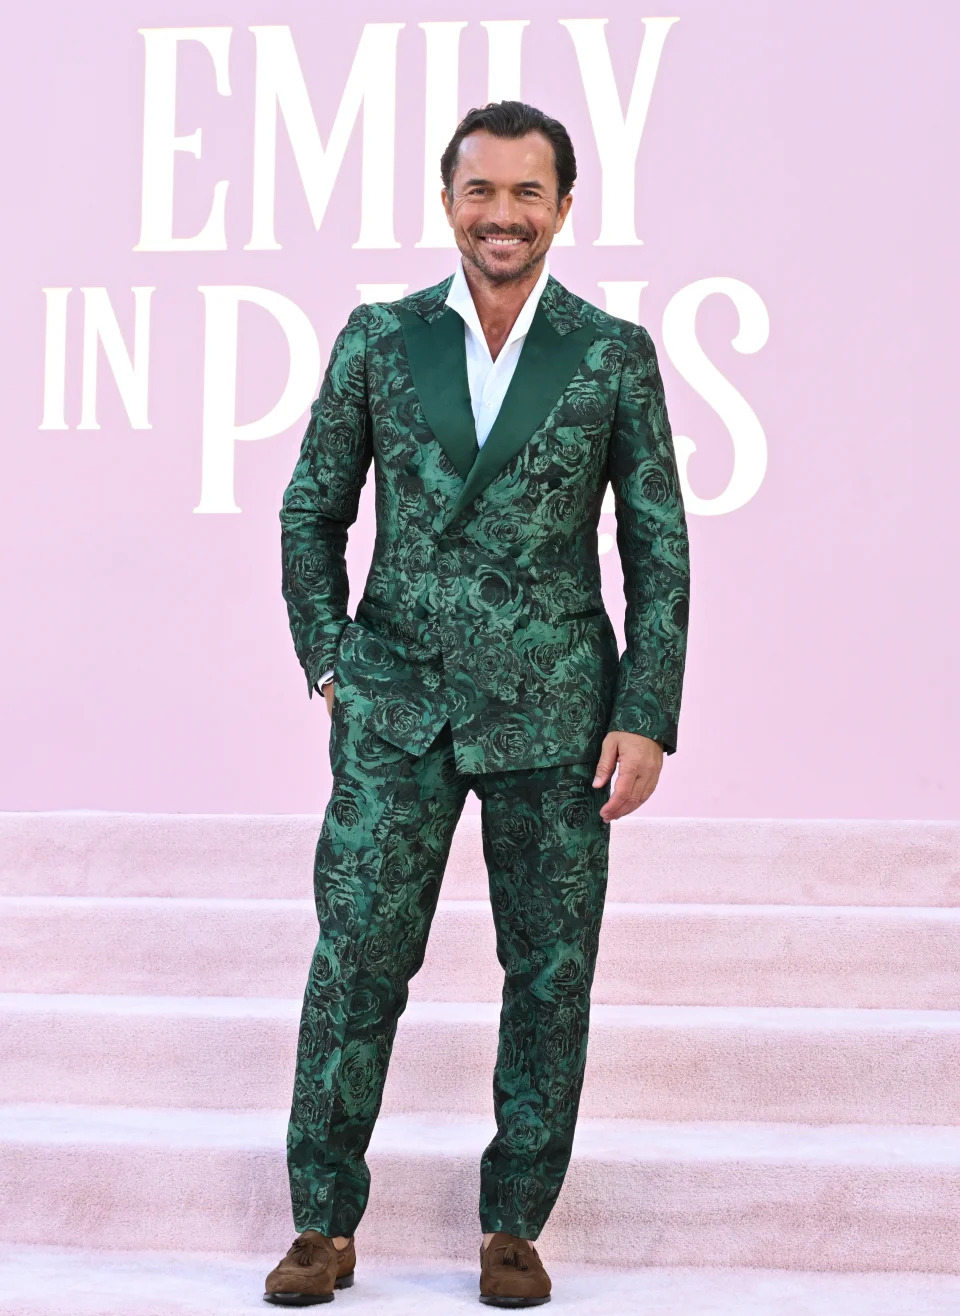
[[308, 1299], [494, 1301]]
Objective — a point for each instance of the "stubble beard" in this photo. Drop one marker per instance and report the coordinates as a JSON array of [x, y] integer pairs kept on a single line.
[[498, 276]]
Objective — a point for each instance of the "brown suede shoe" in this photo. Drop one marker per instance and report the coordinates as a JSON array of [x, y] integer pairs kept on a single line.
[[512, 1274], [312, 1268]]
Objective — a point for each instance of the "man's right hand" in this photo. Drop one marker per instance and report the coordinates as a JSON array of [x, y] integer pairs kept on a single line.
[[327, 692]]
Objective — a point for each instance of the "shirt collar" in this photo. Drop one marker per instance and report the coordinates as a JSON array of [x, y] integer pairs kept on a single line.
[[460, 299]]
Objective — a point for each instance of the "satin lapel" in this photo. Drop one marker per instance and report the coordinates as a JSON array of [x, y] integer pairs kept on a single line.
[[438, 366], [547, 363]]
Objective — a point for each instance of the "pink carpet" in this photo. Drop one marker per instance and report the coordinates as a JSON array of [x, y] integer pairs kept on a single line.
[[770, 1119]]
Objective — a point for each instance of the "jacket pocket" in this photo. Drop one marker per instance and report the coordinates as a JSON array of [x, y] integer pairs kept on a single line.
[[583, 612]]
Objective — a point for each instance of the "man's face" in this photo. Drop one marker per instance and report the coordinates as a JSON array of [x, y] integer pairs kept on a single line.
[[504, 211]]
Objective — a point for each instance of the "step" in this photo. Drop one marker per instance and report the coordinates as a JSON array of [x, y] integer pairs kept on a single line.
[[750, 861], [64, 1281], [851, 1197], [682, 954], [644, 1062]]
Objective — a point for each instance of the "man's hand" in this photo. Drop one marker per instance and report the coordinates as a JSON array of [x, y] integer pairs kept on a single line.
[[640, 760], [327, 692]]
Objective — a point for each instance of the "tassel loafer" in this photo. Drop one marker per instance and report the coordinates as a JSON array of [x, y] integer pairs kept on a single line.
[[313, 1267], [511, 1273]]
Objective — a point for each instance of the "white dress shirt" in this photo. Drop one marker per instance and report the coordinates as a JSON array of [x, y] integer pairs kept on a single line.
[[488, 379]]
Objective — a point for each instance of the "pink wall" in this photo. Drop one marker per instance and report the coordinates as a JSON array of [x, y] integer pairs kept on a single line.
[[802, 152]]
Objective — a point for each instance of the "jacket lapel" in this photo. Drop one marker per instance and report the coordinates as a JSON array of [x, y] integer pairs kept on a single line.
[[552, 350], [433, 335]]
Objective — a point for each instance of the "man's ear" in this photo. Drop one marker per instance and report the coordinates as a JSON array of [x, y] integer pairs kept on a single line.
[[447, 207], [563, 210]]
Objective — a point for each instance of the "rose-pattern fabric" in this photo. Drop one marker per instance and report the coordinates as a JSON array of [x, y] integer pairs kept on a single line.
[[380, 859], [483, 603], [480, 657]]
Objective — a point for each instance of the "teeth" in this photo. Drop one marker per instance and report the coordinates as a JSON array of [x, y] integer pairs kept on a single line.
[[504, 242]]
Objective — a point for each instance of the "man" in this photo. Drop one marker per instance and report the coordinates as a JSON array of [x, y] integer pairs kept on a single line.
[[495, 406]]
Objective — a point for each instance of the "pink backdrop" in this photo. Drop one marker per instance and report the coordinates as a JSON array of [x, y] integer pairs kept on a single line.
[[803, 154]]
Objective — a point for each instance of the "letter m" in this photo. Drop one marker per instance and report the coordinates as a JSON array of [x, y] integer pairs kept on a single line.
[[371, 85]]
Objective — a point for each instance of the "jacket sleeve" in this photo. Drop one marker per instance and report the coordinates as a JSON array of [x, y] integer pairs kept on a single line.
[[654, 551], [321, 502]]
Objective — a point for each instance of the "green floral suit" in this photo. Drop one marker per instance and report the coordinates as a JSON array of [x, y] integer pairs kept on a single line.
[[480, 658]]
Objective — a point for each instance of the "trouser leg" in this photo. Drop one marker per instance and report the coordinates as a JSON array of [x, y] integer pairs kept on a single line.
[[380, 859], [546, 848]]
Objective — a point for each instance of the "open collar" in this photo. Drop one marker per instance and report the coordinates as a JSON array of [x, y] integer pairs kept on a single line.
[[460, 299], [561, 307]]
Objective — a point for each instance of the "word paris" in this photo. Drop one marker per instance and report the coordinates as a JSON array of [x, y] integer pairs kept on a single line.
[[369, 97]]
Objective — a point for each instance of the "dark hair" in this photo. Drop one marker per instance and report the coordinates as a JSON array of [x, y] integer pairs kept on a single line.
[[513, 119]]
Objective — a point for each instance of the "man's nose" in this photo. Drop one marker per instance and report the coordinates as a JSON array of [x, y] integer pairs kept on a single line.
[[506, 211]]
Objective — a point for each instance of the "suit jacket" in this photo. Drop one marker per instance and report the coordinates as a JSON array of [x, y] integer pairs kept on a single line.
[[483, 603]]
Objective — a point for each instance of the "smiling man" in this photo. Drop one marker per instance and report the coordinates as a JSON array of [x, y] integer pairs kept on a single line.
[[496, 407]]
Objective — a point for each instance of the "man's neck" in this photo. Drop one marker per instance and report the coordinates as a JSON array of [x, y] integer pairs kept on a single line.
[[499, 304]]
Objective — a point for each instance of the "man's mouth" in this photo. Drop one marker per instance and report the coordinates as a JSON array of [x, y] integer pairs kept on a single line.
[[501, 242]]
